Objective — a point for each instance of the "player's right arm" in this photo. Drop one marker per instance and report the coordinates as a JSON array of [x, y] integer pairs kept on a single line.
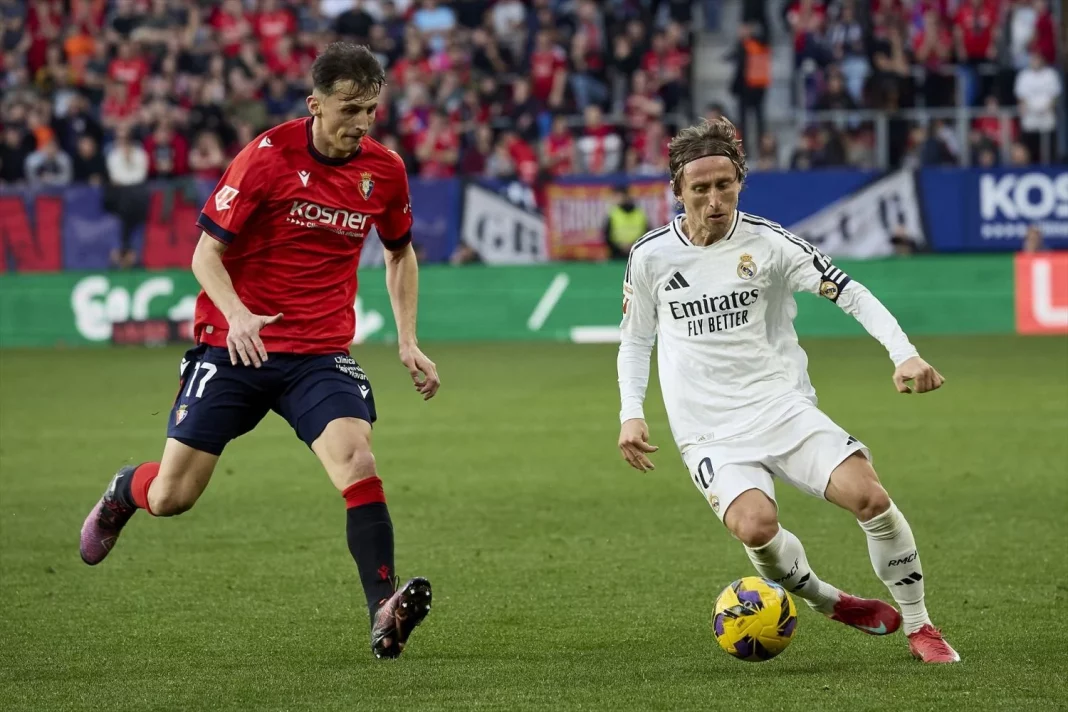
[[637, 335], [243, 332], [236, 198]]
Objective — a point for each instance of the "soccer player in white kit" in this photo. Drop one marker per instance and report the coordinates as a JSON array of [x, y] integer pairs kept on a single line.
[[716, 286]]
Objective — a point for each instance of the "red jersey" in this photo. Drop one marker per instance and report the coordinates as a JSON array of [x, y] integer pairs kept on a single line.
[[295, 222]]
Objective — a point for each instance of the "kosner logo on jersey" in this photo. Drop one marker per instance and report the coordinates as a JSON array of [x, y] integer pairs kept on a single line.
[[503, 229], [862, 225], [334, 217], [1011, 202]]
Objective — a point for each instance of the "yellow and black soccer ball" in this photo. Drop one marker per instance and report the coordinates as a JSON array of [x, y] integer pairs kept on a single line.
[[754, 619]]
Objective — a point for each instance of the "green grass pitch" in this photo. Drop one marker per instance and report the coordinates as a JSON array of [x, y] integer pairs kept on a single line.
[[563, 579]]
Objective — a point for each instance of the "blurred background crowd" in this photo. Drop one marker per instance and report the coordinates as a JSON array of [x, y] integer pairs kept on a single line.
[[123, 91]]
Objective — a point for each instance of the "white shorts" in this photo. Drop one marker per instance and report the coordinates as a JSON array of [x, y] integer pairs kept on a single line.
[[802, 450]]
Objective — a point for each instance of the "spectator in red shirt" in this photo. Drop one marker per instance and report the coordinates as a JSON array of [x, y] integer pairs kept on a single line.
[[989, 126], [272, 23], [130, 68], [168, 153], [230, 22], [648, 153], [286, 62], [974, 28], [437, 147], [118, 106], [642, 105], [806, 19], [558, 149], [666, 63], [974, 31], [548, 70], [206, 158], [523, 156], [932, 47], [599, 149]]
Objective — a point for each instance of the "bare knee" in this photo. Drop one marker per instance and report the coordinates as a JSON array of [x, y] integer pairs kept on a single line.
[[359, 465], [752, 519], [855, 486], [871, 502], [344, 448]]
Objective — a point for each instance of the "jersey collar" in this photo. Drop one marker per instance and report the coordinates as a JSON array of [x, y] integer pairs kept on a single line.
[[676, 226], [321, 157]]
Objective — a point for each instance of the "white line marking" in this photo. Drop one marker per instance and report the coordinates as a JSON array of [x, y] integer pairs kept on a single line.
[[595, 334], [548, 301]]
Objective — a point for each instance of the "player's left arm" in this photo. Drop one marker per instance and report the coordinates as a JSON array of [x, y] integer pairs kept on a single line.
[[808, 270], [402, 282]]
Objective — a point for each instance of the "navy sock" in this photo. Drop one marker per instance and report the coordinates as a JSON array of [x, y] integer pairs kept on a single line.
[[370, 536]]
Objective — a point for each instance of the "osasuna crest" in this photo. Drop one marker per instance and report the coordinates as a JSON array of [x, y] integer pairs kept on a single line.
[[180, 414], [367, 184], [747, 269]]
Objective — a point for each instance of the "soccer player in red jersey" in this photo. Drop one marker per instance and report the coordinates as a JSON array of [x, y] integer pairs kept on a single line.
[[277, 260]]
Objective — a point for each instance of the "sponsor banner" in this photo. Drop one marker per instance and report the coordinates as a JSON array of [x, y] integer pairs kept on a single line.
[[563, 302], [502, 226], [575, 212], [848, 213], [789, 197], [862, 224], [54, 229], [1005, 203], [1042, 293]]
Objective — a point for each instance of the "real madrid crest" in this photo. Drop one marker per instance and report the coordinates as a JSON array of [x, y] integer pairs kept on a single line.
[[747, 269], [829, 289], [367, 184]]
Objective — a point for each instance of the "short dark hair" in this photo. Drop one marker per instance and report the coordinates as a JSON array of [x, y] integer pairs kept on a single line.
[[345, 62], [708, 138]]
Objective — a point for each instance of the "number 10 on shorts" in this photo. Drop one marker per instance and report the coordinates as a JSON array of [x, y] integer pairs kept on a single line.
[[204, 371]]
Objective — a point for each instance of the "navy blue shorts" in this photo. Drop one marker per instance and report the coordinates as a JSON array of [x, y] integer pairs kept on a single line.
[[219, 402]]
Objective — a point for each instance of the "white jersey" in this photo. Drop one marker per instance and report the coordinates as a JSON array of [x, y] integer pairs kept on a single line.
[[728, 356]]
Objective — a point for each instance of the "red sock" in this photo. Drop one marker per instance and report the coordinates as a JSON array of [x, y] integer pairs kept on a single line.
[[142, 480], [366, 491]]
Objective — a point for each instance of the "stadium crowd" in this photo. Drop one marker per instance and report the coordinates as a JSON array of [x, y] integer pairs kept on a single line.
[[892, 55], [123, 91], [129, 90]]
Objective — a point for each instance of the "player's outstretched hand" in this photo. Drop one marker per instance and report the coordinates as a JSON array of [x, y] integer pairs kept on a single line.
[[922, 374], [243, 340], [424, 371], [634, 444]]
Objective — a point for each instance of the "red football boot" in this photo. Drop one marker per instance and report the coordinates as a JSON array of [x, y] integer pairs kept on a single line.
[[870, 615], [928, 645]]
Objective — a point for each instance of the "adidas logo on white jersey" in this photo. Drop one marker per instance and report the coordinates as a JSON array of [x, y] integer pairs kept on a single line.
[[677, 282]]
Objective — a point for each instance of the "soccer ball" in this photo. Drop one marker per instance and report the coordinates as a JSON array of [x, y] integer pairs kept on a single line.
[[754, 619]]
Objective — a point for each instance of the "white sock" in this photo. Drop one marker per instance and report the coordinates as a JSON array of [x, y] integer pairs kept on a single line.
[[783, 561], [897, 563]]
